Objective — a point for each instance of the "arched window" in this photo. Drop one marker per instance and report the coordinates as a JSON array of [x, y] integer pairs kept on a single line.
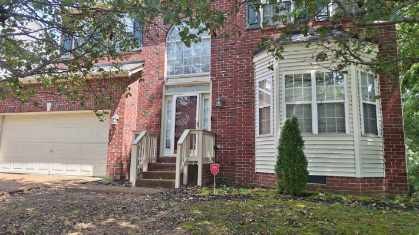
[[184, 60]]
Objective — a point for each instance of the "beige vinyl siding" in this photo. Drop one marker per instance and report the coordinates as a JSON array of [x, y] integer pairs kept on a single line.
[[327, 154], [265, 150], [331, 155], [371, 156]]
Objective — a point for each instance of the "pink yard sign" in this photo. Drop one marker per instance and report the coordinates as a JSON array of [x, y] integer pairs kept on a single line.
[[215, 168]]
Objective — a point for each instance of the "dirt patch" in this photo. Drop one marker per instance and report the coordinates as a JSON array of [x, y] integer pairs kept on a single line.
[[10, 183], [60, 210]]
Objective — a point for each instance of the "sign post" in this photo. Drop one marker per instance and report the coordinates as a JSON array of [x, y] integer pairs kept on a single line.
[[215, 169]]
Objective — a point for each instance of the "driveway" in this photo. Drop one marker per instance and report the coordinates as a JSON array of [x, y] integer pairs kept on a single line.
[[10, 183]]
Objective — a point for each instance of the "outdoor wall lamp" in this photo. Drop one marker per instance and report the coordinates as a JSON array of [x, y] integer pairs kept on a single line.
[[219, 102], [115, 119]]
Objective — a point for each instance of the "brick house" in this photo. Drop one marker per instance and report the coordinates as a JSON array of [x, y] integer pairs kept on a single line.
[[221, 89]]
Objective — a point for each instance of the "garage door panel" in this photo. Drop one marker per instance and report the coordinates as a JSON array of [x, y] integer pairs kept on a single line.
[[61, 144]]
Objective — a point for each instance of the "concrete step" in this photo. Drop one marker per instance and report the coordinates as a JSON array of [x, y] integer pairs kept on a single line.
[[162, 166], [159, 175], [155, 183]]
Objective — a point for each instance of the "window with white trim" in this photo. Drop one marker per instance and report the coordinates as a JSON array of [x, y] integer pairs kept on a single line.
[[186, 60], [369, 103], [270, 13], [317, 100], [330, 98], [298, 99], [264, 94]]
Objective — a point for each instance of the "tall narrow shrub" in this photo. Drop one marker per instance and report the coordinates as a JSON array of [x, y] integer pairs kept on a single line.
[[291, 165]]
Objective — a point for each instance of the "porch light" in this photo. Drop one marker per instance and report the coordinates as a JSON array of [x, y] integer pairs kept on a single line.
[[115, 119], [219, 102]]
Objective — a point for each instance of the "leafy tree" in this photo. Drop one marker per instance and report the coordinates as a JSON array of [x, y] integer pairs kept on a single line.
[[31, 32], [291, 165], [409, 48]]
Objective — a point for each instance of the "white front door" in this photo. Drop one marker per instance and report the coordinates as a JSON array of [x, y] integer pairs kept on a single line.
[[183, 112]]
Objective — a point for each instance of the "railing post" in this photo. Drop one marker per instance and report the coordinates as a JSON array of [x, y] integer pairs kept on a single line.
[[133, 166], [200, 154], [178, 166]]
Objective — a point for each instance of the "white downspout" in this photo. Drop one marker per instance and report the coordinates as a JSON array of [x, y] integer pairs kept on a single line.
[[356, 120]]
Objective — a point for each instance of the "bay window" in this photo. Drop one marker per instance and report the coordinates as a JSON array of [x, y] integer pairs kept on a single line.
[[369, 103], [317, 100], [264, 106]]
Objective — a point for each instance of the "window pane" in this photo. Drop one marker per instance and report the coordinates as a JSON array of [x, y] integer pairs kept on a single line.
[[168, 124], [252, 15], [264, 99], [370, 118], [303, 114], [264, 120], [330, 86], [183, 60], [138, 34], [206, 113], [331, 118], [67, 44]]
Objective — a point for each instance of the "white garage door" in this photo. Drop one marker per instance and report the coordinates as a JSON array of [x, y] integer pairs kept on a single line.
[[54, 144]]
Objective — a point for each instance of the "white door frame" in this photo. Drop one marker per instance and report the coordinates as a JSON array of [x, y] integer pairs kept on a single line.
[[200, 95]]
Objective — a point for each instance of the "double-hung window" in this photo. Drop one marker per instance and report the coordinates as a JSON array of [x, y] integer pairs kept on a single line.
[[330, 98], [298, 99], [317, 100], [369, 103], [268, 12], [264, 96]]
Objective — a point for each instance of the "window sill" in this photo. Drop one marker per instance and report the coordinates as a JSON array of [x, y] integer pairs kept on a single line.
[[371, 136], [325, 134], [264, 135]]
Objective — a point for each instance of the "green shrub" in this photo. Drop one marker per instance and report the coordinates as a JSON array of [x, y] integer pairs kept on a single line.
[[413, 165], [291, 165]]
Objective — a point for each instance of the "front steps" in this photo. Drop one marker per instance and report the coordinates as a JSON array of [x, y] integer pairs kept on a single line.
[[159, 175]]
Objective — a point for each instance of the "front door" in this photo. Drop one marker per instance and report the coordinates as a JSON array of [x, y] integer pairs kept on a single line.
[[183, 112], [185, 115]]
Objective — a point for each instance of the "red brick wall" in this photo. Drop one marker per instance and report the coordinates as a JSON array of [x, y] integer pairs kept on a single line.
[[394, 147], [120, 103], [333, 183], [232, 80]]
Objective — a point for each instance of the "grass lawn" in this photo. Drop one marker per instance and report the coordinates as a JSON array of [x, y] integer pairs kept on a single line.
[[258, 211]]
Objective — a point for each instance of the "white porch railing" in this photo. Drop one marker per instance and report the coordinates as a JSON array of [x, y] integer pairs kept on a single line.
[[194, 147], [144, 151]]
